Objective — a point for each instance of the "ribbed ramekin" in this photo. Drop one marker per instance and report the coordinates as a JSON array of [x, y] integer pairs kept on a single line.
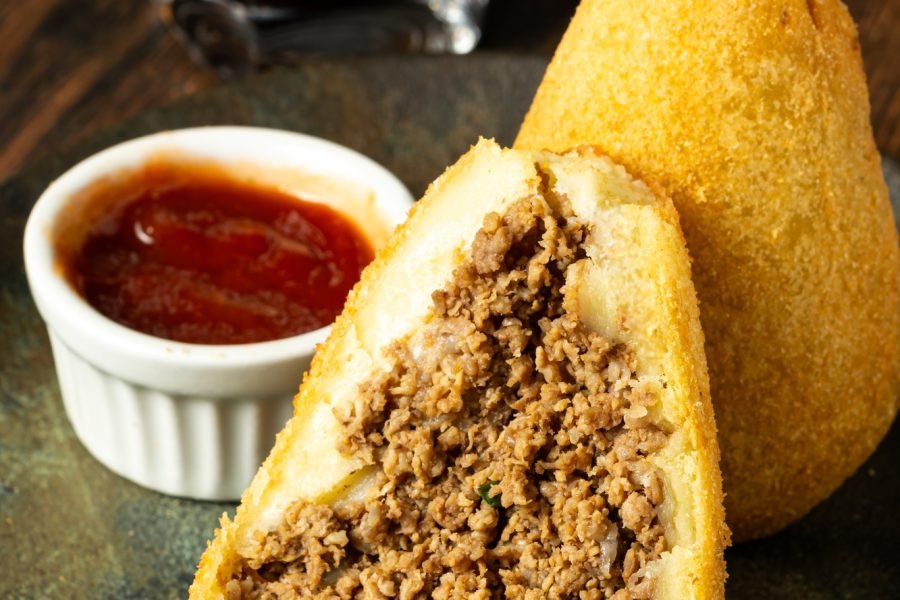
[[187, 419]]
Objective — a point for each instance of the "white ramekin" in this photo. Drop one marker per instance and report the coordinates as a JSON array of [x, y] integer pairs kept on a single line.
[[188, 419]]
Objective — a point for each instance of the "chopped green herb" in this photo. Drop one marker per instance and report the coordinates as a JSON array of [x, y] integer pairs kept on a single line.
[[492, 501]]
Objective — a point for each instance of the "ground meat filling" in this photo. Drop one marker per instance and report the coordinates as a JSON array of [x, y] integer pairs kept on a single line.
[[509, 446]]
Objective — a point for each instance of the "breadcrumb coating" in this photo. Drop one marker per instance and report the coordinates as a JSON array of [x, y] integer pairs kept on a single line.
[[753, 115]]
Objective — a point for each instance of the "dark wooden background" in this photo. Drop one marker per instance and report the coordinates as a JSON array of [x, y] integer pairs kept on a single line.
[[69, 67]]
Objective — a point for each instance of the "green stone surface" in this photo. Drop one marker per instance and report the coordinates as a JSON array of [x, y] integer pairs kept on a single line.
[[69, 528]]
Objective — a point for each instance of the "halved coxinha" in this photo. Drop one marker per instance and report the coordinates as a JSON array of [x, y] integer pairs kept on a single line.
[[514, 403]]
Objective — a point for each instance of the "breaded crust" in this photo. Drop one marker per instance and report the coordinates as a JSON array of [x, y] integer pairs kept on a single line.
[[653, 308], [753, 116]]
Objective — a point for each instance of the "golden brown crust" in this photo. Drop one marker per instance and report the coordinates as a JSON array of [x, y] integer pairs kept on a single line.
[[659, 291], [754, 117], [715, 534]]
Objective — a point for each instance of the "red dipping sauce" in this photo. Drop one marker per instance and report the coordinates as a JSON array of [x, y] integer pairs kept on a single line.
[[213, 261]]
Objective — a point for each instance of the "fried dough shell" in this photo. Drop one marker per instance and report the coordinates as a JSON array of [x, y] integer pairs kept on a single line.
[[634, 287], [754, 117]]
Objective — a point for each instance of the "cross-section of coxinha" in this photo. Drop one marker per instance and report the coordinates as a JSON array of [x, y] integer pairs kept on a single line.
[[513, 404], [753, 115]]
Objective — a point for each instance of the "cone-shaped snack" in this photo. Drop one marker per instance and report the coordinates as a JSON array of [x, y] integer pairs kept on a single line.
[[753, 116], [513, 404]]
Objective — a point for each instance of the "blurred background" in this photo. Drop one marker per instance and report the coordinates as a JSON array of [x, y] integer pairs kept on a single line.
[[69, 67]]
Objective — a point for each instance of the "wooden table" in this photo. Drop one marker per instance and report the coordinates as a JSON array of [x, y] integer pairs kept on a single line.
[[68, 67]]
